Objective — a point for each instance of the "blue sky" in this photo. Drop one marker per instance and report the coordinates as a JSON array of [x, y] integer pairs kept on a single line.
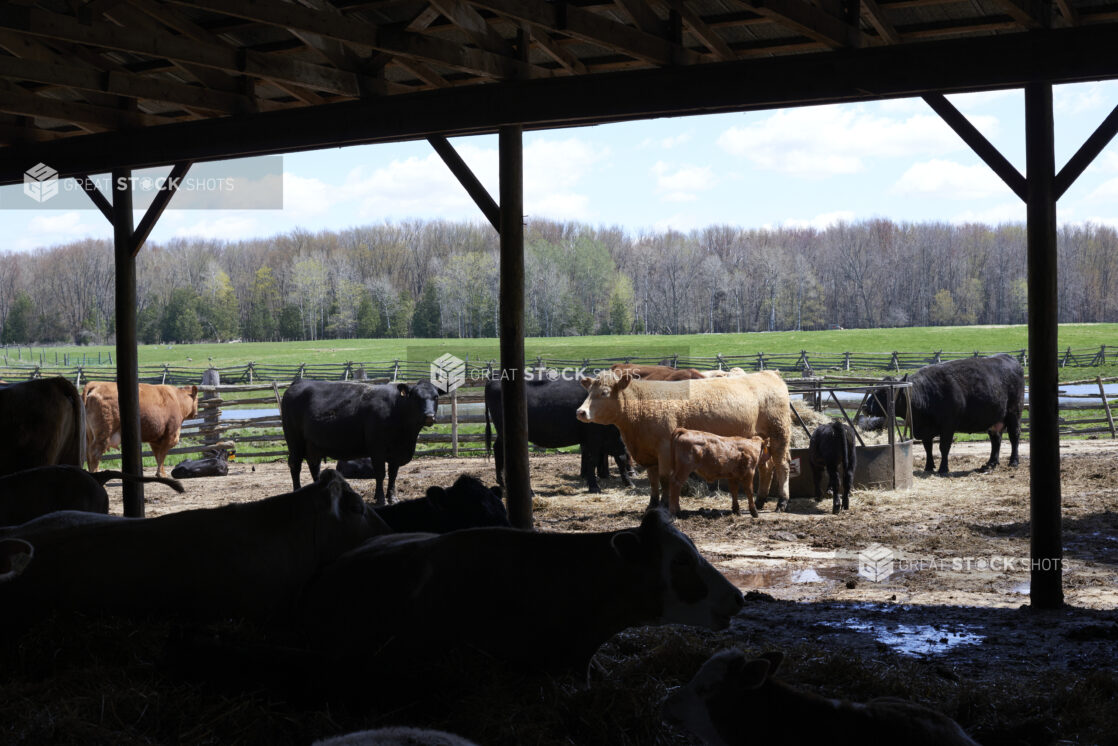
[[809, 166]]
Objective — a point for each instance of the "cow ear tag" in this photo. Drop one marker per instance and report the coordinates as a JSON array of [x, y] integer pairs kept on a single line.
[[402, 388]]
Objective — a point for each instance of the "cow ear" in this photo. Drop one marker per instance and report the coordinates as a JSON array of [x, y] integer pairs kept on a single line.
[[623, 381], [402, 388], [437, 496], [496, 490], [775, 658], [586, 382], [15, 556], [755, 673], [905, 377], [627, 545]]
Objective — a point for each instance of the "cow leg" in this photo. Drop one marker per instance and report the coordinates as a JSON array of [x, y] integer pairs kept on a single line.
[[930, 464], [314, 463], [832, 474], [817, 479], [1013, 430], [295, 464], [378, 474], [589, 467], [944, 449], [625, 468], [747, 485], [603, 464], [995, 450], [499, 460], [393, 467], [674, 487]]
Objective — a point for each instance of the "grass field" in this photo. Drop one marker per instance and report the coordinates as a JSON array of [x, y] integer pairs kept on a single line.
[[986, 339]]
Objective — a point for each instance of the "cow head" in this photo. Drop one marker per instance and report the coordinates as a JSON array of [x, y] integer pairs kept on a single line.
[[726, 683], [341, 518], [424, 396], [602, 393], [764, 449], [691, 590], [469, 503], [15, 556], [877, 401], [188, 402]]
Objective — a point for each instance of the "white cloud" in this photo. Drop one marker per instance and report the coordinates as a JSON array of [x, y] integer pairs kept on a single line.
[[1078, 98], [52, 229], [822, 221], [303, 197], [681, 184], [950, 180], [820, 141], [681, 222], [665, 143], [228, 227], [1104, 192], [1006, 212]]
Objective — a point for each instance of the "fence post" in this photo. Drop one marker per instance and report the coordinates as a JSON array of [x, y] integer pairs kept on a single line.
[[846, 360], [895, 364], [760, 361], [1064, 362], [250, 371], [1106, 406], [78, 379], [395, 369], [454, 423], [212, 416], [939, 356]]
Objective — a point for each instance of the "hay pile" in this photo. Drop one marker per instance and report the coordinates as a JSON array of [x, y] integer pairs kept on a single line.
[[814, 419]]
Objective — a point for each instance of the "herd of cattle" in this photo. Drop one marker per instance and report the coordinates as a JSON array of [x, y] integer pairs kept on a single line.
[[322, 568]]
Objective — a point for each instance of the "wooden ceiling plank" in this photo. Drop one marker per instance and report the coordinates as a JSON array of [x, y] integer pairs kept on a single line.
[[555, 51], [700, 30], [423, 72], [811, 21], [15, 100], [1029, 13], [873, 13], [1068, 11], [477, 28], [593, 28], [118, 83], [643, 16], [207, 54], [396, 41]]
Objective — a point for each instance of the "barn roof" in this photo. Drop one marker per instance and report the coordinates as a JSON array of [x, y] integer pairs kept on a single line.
[[87, 85]]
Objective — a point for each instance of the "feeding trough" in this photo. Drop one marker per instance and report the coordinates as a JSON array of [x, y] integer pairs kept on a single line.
[[885, 465]]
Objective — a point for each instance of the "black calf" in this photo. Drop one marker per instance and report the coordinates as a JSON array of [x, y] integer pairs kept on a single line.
[[833, 446]]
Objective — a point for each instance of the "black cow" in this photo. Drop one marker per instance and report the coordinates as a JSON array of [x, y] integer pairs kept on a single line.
[[347, 419], [216, 465], [356, 468], [832, 446], [972, 395], [43, 424], [31, 493], [468, 504], [552, 423]]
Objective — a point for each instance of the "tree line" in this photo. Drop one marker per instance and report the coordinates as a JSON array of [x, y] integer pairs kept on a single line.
[[440, 279]]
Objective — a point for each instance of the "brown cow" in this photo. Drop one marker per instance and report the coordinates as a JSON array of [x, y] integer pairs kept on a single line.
[[43, 425], [735, 700], [162, 411], [657, 372], [648, 412], [715, 457]]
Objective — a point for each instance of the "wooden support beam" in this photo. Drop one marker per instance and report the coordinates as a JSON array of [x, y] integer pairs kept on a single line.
[[158, 205], [555, 51], [469, 181], [17, 100], [576, 22], [127, 356], [1090, 150], [1068, 11], [643, 16], [700, 30], [873, 13], [956, 65], [205, 54], [95, 194], [811, 22], [477, 28], [1046, 540], [978, 143], [1028, 13], [514, 387]]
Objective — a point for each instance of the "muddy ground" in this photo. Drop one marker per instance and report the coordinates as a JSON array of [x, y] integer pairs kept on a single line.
[[950, 627]]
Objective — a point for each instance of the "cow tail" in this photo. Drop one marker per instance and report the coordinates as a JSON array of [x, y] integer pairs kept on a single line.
[[488, 434], [79, 421]]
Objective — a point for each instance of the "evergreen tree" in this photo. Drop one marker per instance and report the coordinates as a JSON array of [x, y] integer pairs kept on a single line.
[[180, 317], [427, 320], [261, 322], [291, 323], [368, 318], [19, 327]]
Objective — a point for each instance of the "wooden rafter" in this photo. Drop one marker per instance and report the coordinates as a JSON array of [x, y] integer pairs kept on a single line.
[[643, 16], [873, 13], [810, 21], [1029, 13], [700, 29]]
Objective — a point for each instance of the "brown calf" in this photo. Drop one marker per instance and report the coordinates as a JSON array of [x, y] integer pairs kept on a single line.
[[715, 457], [732, 700]]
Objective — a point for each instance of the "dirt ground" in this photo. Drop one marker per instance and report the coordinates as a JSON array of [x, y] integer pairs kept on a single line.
[[950, 626]]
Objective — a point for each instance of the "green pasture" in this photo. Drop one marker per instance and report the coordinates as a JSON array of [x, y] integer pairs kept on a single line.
[[915, 339]]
